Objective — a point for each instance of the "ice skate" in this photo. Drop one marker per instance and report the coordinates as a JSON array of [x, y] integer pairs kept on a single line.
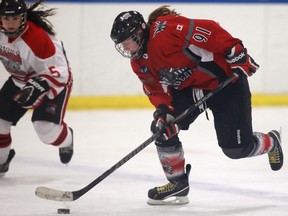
[[276, 154], [66, 153], [5, 167], [173, 193]]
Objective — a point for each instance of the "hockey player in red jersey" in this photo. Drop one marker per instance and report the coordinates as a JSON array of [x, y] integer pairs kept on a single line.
[[179, 60], [40, 78]]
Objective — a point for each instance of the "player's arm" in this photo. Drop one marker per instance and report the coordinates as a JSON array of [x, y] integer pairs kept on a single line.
[[48, 60], [210, 36], [159, 96], [163, 116], [55, 69], [240, 61], [157, 92]]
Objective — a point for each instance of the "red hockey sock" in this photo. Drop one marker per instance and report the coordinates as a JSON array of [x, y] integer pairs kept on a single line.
[[172, 161], [263, 144]]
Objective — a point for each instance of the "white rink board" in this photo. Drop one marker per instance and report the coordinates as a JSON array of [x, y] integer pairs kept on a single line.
[[99, 70]]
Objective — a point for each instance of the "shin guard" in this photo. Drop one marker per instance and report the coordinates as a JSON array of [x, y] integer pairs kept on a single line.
[[172, 160]]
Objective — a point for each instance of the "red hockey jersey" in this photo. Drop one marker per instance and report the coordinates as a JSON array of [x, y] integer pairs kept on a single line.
[[179, 42]]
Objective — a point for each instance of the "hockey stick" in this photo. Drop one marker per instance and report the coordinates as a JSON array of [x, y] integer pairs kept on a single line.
[[68, 196]]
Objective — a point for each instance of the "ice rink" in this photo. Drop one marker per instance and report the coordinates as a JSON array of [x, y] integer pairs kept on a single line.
[[218, 185]]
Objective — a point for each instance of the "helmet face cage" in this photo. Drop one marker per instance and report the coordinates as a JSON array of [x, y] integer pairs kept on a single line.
[[129, 54], [14, 8], [125, 27]]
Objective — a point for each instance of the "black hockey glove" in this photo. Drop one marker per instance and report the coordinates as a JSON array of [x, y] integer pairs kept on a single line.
[[174, 77], [240, 62], [163, 119], [32, 94]]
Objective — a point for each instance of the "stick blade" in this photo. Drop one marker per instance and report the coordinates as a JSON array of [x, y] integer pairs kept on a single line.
[[52, 194]]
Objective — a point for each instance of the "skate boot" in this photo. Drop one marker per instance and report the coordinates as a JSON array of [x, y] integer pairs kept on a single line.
[[276, 155], [66, 153], [5, 167], [173, 193]]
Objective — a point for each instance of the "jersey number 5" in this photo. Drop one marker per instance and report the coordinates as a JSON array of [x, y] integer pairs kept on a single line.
[[54, 72]]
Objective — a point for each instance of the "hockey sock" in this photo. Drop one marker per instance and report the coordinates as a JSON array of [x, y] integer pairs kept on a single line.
[[172, 160], [5, 143], [65, 137], [262, 144]]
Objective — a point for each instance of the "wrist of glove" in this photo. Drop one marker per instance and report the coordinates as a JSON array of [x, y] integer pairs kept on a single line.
[[163, 118], [240, 62], [175, 77], [32, 94]]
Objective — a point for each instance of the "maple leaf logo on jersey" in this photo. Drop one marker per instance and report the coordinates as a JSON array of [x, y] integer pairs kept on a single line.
[[159, 27]]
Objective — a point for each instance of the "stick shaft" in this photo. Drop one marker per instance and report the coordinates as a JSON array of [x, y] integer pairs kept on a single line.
[[84, 190], [57, 195]]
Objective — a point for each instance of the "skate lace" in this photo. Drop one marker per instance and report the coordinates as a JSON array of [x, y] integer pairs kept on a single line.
[[166, 188], [274, 156]]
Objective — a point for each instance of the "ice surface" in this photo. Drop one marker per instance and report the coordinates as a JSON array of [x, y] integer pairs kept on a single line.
[[219, 185]]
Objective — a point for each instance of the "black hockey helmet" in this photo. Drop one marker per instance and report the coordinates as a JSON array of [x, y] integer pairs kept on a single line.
[[14, 8], [126, 25]]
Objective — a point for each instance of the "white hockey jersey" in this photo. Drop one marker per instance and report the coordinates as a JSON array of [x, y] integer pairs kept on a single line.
[[35, 53]]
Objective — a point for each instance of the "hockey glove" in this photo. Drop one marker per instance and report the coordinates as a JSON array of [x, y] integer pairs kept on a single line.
[[163, 119], [240, 62], [174, 77], [32, 94]]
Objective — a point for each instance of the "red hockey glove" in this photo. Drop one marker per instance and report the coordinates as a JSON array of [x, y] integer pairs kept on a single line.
[[32, 94], [163, 119], [240, 61]]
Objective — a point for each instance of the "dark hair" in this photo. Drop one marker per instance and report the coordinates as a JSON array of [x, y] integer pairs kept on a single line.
[[39, 16], [161, 11]]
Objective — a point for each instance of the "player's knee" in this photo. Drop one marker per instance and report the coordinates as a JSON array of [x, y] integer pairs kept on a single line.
[[237, 153], [46, 131], [5, 126]]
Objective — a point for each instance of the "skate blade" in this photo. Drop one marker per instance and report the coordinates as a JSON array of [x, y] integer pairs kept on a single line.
[[176, 200]]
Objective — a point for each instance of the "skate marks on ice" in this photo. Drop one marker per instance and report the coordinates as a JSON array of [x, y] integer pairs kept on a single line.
[[218, 186], [206, 198], [213, 187]]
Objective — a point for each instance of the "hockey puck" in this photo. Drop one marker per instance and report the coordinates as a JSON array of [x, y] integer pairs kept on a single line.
[[63, 211]]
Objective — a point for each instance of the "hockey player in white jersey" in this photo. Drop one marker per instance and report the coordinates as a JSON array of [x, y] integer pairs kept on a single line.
[[40, 78]]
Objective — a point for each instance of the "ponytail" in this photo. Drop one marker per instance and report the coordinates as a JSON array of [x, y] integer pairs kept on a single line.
[[161, 11]]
